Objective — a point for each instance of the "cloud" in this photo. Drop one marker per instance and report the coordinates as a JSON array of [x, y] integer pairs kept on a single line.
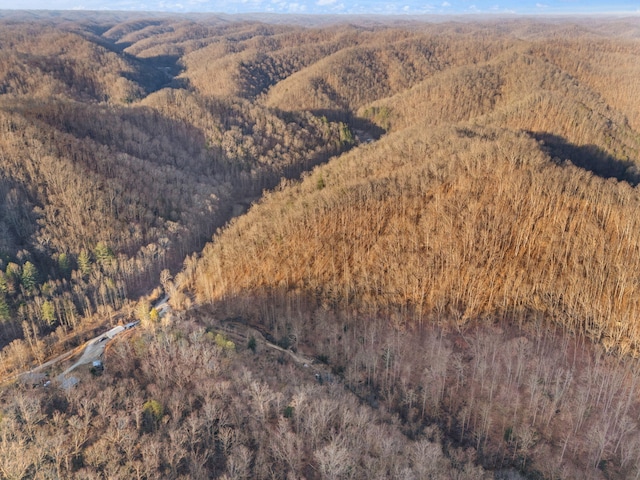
[[395, 7]]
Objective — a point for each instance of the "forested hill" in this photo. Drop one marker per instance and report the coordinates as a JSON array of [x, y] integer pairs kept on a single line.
[[115, 165], [507, 157], [443, 225], [498, 215]]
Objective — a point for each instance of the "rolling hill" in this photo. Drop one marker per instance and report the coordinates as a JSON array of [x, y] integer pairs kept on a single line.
[[442, 225]]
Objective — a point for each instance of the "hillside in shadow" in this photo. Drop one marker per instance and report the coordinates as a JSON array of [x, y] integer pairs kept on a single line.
[[589, 157]]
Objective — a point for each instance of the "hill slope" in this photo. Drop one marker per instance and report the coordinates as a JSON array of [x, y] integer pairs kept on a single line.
[[112, 170], [505, 194]]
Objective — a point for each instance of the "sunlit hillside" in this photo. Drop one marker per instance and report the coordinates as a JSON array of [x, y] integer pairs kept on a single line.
[[504, 193]]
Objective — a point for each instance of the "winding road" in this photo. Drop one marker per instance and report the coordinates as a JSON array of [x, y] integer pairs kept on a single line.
[[94, 348]]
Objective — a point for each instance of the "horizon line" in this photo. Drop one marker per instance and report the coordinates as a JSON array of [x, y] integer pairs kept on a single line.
[[490, 13]]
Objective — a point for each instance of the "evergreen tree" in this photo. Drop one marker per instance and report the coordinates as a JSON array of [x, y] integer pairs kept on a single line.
[[29, 276], [4, 287], [346, 137], [5, 312], [64, 264], [84, 263], [48, 312], [103, 253]]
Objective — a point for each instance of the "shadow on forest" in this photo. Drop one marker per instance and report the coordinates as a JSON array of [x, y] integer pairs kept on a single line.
[[355, 123], [157, 73], [151, 73], [589, 157]]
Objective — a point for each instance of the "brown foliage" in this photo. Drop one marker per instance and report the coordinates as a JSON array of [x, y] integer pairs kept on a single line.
[[505, 191], [149, 180], [191, 410], [484, 226]]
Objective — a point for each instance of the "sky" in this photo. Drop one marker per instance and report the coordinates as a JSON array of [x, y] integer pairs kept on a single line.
[[388, 7]]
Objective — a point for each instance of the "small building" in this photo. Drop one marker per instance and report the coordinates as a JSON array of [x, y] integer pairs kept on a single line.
[[97, 367], [114, 331]]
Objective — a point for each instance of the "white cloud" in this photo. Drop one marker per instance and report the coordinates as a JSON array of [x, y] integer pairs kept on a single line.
[[406, 7], [296, 8]]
